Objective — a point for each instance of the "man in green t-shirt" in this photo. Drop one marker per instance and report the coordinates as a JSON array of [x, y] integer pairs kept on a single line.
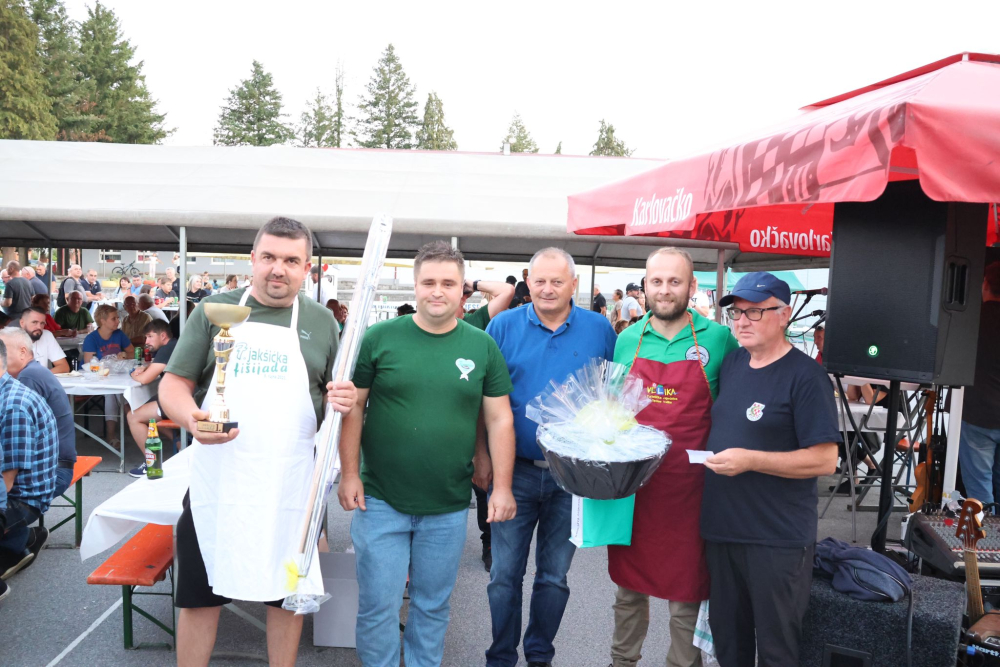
[[425, 378], [500, 295], [248, 499], [73, 315]]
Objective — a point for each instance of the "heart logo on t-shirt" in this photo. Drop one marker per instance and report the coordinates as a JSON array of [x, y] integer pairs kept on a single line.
[[466, 366]]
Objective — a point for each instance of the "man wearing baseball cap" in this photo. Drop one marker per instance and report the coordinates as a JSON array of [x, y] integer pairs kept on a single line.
[[774, 431], [630, 305]]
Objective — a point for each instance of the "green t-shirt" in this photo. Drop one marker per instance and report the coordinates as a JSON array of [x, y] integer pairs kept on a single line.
[[194, 358], [67, 319], [420, 428], [478, 318], [713, 338]]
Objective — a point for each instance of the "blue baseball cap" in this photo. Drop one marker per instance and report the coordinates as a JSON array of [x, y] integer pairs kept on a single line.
[[757, 287]]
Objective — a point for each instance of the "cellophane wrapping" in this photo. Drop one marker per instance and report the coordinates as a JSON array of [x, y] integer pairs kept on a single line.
[[589, 434]]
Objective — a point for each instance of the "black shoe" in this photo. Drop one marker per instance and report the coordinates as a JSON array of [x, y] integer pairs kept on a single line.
[[11, 563], [4, 590], [487, 557], [539, 664], [844, 488], [36, 540]]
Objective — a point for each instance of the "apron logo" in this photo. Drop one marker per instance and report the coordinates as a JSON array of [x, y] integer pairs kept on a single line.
[[697, 353], [659, 394], [465, 366], [253, 361], [755, 412], [305, 335]]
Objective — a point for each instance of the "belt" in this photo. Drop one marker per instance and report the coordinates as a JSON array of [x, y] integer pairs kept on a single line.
[[67, 464], [538, 464]]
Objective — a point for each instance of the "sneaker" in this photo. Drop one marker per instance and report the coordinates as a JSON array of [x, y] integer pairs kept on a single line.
[[4, 590], [11, 563], [487, 557], [37, 536], [138, 472]]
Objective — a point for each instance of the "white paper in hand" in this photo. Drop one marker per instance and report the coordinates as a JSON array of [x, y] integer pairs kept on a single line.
[[698, 456]]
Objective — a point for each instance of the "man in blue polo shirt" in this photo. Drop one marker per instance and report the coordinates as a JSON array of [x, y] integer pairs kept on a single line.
[[548, 339]]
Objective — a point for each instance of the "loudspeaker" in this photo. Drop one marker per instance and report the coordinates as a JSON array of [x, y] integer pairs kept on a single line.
[[839, 631], [905, 288]]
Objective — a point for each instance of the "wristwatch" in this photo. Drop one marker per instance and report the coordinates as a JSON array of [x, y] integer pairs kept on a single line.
[[475, 285]]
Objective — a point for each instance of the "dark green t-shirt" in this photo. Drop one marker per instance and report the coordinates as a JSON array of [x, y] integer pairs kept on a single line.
[[478, 318], [67, 319], [194, 358], [420, 428]]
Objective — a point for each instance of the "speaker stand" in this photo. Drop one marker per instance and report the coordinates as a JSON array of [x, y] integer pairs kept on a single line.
[[885, 496]]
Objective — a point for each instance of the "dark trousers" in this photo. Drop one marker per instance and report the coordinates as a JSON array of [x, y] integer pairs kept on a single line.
[[19, 517], [758, 599], [482, 512]]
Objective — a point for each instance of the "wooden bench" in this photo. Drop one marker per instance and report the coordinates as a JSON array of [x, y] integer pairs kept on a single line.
[[83, 467], [142, 561], [168, 424]]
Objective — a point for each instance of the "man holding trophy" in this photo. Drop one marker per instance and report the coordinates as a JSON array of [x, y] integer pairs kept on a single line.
[[248, 378]]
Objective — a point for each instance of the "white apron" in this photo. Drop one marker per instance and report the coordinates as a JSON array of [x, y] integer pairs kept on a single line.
[[249, 496]]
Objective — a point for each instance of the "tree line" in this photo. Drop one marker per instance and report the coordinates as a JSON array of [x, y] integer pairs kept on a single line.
[[69, 81]]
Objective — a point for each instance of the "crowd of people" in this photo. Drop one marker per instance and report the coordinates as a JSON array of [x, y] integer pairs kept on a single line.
[[738, 531]]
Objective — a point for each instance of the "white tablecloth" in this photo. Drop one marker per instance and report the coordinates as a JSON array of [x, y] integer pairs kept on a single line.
[[141, 502], [70, 343], [89, 384], [878, 419]]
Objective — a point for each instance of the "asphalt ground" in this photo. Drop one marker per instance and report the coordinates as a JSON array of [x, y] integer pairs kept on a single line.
[[52, 617]]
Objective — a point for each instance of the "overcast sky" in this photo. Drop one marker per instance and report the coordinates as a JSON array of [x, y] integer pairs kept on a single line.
[[672, 78]]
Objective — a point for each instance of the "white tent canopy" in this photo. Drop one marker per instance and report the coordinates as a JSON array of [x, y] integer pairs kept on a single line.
[[499, 207]]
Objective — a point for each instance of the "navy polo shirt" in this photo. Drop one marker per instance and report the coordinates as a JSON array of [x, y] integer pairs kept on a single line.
[[536, 355]]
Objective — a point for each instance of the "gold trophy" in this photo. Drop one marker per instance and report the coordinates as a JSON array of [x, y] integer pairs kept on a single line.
[[224, 316]]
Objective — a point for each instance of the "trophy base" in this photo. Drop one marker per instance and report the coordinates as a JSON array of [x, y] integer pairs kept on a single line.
[[216, 427]]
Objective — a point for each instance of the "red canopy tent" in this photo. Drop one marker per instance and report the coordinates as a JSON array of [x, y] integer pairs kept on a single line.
[[774, 193]]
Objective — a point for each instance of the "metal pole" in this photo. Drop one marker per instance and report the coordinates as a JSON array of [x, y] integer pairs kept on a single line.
[[954, 432], [319, 283], [720, 282], [182, 303], [886, 496]]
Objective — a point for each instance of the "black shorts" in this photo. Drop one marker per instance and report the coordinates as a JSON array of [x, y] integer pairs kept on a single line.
[[193, 590]]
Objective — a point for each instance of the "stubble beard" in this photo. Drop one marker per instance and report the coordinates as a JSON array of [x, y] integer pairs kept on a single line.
[[673, 312]]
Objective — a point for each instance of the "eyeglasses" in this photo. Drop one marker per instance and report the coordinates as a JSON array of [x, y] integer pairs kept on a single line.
[[753, 314]]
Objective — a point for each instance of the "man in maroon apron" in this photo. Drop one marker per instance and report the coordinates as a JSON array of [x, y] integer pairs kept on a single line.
[[677, 353]]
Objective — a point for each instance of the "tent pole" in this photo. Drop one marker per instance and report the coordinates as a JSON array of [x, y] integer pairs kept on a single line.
[[319, 283], [593, 274], [182, 303], [720, 282]]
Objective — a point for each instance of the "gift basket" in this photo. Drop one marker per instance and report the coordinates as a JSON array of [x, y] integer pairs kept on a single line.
[[589, 435]]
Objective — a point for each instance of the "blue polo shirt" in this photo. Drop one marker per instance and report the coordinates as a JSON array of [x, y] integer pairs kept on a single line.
[[536, 355]]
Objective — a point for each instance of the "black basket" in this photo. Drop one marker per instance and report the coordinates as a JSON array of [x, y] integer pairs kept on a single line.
[[601, 480]]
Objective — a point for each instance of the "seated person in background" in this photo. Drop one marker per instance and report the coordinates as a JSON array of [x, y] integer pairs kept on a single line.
[[175, 324], [135, 289], [30, 455], [195, 291], [21, 365], [819, 337], [145, 289], [148, 306], [91, 287], [166, 289], [108, 341], [46, 348], [44, 302], [339, 314], [73, 316], [161, 342], [135, 321], [232, 283], [621, 325]]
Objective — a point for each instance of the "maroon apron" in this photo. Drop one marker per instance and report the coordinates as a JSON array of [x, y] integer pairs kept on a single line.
[[667, 556]]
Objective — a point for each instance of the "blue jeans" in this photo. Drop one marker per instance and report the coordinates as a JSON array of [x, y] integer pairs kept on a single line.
[[540, 502], [389, 544], [63, 477], [19, 517], [979, 456]]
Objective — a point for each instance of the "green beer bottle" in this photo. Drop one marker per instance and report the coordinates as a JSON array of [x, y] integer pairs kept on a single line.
[[154, 452], [138, 356]]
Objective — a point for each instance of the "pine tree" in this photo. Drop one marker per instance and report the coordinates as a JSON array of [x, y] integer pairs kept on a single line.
[[252, 113], [389, 112], [316, 123], [518, 137], [122, 109], [59, 50], [434, 135], [337, 133], [608, 144], [559, 149], [25, 109]]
